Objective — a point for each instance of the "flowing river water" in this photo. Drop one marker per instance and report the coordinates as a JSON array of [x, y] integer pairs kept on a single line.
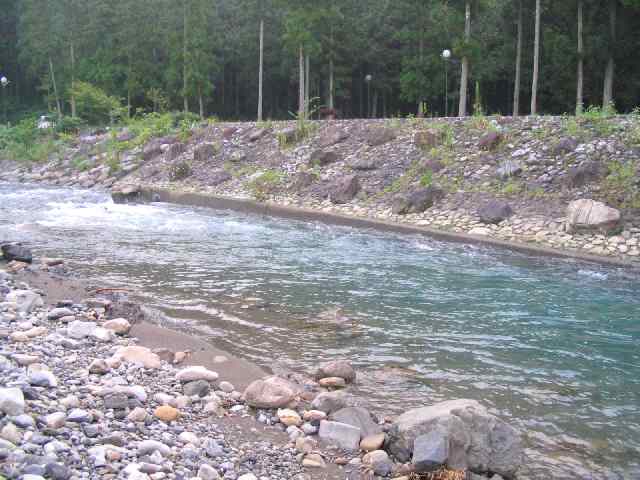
[[550, 345]]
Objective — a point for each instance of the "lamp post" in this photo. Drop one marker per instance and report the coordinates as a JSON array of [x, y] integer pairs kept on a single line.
[[4, 83], [368, 79], [446, 55]]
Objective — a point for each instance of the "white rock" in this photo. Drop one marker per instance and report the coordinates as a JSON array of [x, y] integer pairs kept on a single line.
[[55, 420], [189, 437], [43, 378], [79, 330], [119, 326], [207, 472], [138, 355], [191, 374]]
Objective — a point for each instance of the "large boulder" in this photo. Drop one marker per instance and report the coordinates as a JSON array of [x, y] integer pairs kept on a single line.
[[426, 139], [347, 437], [565, 145], [588, 214], [365, 164], [126, 194], [490, 141], [332, 135], [344, 190], [430, 451], [303, 180], [358, 417], [584, 174], [323, 157], [271, 392], [495, 211], [509, 168], [174, 151], [204, 152], [417, 201], [377, 136], [336, 368], [26, 300], [477, 440], [12, 251]]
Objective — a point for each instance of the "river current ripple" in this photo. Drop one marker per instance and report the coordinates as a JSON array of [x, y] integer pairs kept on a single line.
[[550, 345]]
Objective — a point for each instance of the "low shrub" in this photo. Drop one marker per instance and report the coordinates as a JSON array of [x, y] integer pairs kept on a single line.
[[94, 105], [266, 184]]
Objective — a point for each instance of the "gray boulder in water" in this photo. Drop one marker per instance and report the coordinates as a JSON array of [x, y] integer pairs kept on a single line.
[[12, 251], [477, 440]]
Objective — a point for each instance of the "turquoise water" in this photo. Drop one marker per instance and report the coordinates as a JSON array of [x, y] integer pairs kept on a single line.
[[550, 345]]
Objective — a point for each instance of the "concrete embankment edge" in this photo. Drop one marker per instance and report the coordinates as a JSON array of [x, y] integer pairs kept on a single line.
[[305, 214]]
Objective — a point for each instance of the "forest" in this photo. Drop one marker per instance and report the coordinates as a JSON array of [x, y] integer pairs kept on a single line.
[[248, 59]]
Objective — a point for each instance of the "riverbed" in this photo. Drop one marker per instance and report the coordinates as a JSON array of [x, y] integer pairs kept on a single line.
[[550, 345]]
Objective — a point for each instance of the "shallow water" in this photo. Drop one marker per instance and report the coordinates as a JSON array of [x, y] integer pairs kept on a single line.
[[550, 345]]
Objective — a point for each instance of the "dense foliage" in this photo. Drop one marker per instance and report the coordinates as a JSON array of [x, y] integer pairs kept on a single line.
[[203, 55]]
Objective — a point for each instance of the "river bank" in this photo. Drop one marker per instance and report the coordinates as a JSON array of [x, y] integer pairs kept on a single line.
[[86, 395]]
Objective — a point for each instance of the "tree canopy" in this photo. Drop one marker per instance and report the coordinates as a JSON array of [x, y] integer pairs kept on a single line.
[[203, 55]]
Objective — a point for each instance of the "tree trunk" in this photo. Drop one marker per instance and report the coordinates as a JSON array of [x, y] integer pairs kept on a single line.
[[580, 72], [260, 85], [516, 86], [184, 57], [374, 106], [307, 86], [129, 88], [607, 97], [464, 76], [201, 102], [237, 93], [536, 62], [55, 88], [301, 109], [73, 80], [331, 75]]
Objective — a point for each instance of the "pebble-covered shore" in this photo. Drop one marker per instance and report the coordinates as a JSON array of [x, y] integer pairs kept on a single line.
[[82, 399]]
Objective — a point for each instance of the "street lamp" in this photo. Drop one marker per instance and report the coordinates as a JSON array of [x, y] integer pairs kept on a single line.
[[446, 55], [4, 83], [368, 79]]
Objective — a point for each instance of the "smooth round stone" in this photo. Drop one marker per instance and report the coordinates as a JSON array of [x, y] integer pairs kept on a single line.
[[55, 420], [226, 387], [166, 413], [372, 442]]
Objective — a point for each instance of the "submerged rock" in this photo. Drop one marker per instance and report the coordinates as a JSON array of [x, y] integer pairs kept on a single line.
[[337, 368], [14, 252]]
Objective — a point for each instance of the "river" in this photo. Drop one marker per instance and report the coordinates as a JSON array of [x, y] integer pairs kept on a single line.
[[550, 345]]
